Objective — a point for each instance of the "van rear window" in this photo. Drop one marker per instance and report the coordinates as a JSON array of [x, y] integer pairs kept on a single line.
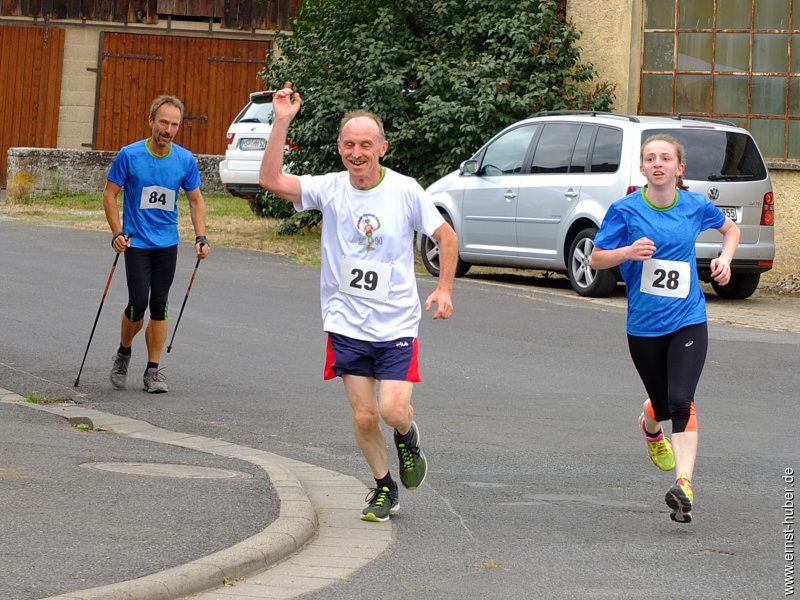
[[717, 155]]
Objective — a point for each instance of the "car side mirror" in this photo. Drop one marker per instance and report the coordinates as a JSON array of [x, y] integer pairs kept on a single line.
[[468, 167]]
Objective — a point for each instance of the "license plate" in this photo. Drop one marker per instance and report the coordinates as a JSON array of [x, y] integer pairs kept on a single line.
[[253, 144], [732, 212]]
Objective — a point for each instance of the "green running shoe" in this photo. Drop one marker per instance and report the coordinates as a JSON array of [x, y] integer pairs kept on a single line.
[[659, 448], [381, 503], [679, 498], [413, 466]]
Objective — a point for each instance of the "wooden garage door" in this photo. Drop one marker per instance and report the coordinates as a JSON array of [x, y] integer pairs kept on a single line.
[[213, 78], [30, 71]]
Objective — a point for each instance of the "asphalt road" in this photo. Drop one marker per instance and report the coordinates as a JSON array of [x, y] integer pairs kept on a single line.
[[539, 483]]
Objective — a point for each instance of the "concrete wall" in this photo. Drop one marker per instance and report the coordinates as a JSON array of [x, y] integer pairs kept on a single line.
[[78, 88], [39, 171], [786, 184], [611, 39]]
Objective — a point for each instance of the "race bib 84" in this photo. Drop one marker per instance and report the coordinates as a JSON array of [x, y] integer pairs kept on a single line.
[[155, 196]]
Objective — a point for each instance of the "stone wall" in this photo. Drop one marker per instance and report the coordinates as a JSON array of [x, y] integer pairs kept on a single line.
[[38, 171]]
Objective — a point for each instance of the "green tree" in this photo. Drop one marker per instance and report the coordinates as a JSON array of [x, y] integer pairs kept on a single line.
[[444, 75]]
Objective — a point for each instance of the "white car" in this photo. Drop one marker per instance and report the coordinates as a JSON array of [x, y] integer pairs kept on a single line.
[[247, 139]]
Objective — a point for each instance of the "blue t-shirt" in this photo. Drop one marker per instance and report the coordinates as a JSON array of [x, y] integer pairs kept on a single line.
[[151, 185], [674, 231]]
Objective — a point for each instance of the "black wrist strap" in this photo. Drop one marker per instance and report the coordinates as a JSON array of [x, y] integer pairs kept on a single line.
[[201, 239], [114, 239]]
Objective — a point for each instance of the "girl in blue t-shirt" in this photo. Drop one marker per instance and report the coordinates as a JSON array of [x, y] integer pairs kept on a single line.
[[650, 234]]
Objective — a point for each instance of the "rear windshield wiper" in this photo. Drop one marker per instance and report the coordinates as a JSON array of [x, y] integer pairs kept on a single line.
[[714, 177], [250, 120]]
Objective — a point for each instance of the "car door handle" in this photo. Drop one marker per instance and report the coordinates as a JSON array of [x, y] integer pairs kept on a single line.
[[570, 193], [509, 195]]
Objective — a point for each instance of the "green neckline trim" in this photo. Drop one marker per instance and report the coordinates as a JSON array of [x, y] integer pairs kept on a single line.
[[383, 174], [151, 153], [653, 206]]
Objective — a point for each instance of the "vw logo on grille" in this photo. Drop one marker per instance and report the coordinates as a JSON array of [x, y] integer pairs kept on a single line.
[[713, 193]]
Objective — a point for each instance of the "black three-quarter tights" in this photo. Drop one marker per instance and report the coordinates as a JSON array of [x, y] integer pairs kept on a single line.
[[670, 367], [149, 274]]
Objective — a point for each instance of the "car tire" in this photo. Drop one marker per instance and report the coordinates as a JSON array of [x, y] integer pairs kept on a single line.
[[592, 283], [430, 255], [741, 286]]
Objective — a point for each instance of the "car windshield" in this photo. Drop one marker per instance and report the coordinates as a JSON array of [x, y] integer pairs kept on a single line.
[[717, 155], [258, 111]]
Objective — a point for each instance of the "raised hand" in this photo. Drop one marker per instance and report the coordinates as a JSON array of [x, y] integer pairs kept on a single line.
[[286, 102]]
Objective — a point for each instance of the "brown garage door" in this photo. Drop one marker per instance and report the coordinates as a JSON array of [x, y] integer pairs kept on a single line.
[[30, 69], [212, 77]]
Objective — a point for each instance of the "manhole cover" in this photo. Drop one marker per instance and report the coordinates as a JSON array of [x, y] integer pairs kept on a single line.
[[167, 470]]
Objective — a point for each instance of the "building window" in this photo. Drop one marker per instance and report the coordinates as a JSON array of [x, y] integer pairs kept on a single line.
[[737, 60]]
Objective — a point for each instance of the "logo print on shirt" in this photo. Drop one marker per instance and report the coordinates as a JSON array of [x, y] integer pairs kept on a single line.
[[368, 224]]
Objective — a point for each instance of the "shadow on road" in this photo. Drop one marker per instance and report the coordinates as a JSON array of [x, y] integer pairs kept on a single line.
[[529, 278]]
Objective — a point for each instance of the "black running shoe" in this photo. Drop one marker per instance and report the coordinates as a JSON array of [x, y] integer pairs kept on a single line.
[[413, 466], [381, 503]]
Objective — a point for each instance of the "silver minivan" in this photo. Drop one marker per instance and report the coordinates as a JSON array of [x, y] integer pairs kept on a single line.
[[534, 196]]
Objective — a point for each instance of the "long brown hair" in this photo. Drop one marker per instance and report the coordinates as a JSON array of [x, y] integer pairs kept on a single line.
[[680, 153]]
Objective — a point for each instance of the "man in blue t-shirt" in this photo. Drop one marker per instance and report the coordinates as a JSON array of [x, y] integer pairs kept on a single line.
[[151, 172]]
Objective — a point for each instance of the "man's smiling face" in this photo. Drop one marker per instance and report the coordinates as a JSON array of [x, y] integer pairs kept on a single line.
[[361, 147]]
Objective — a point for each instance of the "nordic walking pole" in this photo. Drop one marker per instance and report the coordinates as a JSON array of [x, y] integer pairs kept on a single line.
[[99, 308], [186, 297]]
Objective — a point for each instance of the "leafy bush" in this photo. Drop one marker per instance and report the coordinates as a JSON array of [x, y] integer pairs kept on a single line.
[[300, 222], [270, 206], [444, 75]]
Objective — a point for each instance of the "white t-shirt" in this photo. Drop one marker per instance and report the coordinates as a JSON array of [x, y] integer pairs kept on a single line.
[[368, 289]]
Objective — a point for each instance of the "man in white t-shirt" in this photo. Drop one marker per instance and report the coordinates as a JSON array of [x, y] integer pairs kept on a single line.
[[368, 290]]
